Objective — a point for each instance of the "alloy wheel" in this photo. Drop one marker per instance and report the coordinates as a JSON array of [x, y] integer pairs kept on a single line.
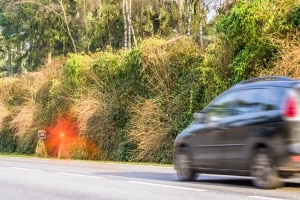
[[263, 172], [183, 168]]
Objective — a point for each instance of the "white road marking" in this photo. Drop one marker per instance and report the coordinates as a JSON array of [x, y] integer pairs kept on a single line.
[[28, 169], [167, 186], [79, 175], [265, 198]]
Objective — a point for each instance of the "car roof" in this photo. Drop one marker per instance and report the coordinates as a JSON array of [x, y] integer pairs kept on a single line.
[[277, 81]]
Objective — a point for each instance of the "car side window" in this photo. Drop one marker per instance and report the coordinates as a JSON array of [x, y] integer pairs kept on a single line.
[[275, 98], [222, 107], [245, 101], [249, 100], [259, 99], [270, 98]]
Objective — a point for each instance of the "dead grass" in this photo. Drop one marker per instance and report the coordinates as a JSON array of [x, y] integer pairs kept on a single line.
[[33, 81], [160, 60], [288, 63], [148, 130], [157, 70], [30, 83], [24, 118], [83, 149], [84, 109], [3, 113]]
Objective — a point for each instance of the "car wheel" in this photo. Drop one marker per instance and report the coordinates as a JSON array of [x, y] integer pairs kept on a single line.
[[183, 166], [263, 171]]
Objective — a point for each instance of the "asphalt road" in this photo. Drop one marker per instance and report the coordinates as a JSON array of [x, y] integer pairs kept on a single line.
[[36, 179]]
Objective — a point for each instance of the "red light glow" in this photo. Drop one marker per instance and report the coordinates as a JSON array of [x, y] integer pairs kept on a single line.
[[291, 107], [295, 158], [63, 132]]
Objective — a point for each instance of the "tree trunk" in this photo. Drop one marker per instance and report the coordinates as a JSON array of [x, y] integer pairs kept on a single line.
[[125, 25], [201, 9], [9, 60], [19, 60], [189, 18], [49, 57], [133, 36], [67, 25], [128, 9], [180, 17]]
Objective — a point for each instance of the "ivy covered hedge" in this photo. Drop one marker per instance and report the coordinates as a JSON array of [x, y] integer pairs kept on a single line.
[[130, 105]]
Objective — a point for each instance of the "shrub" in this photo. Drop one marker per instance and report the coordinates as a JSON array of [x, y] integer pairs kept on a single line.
[[82, 149], [74, 71], [294, 17], [3, 114], [150, 132], [24, 117], [14, 93], [8, 142], [84, 109], [170, 72], [26, 144], [288, 62], [250, 29]]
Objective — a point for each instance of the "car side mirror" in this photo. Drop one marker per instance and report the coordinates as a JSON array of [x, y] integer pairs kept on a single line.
[[199, 117]]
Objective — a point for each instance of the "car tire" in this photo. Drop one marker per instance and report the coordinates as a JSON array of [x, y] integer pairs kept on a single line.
[[183, 166], [263, 171]]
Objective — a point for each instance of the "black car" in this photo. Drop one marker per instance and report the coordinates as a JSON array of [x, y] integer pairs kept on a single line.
[[252, 129]]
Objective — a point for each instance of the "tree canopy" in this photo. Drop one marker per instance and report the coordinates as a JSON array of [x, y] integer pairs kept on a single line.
[[33, 31]]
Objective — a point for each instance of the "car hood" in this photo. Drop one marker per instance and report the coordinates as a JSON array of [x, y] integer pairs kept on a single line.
[[194, 127]]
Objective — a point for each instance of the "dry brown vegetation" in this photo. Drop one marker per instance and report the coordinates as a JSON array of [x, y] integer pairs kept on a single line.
[[3, 113], [84, 109], [126, 106], [288, 62], [27, 86], [149, 130], [81, 148], [24, 117], [160, 58]]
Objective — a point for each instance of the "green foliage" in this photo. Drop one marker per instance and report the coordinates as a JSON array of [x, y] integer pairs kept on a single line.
[[37, 30], [14, 94], [8, 142], [117, 81], [124, 151], [249, 29], [75, 69], [294, 17], [82, 149], [130, 105], [108, 26], [252, 59], [27, 143], [52, 101], [118, 77]]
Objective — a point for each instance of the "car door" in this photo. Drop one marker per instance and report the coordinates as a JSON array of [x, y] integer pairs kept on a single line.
[[256, 107], [206, 143], [236, 130]]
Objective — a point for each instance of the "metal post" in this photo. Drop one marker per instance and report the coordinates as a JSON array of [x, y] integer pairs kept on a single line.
[[61, 138]]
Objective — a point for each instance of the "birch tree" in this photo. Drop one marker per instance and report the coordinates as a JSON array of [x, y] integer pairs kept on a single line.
[[125, 24], [190, 14], [66, 21], [180, 16], [205, 6], [129, 33]]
